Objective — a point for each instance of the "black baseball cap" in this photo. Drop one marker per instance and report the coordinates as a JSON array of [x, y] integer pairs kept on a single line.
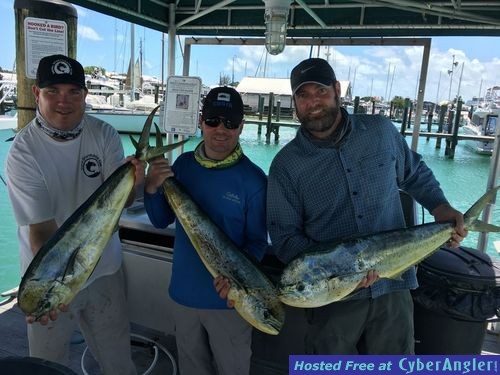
[[223, 102], [55, 69], [312, 70]]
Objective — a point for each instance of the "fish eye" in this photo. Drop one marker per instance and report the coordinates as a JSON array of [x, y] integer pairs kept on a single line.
[[267, 315], [300, 287]]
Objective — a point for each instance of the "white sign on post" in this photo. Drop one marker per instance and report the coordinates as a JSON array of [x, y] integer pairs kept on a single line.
[[43, 37], [182, 105]]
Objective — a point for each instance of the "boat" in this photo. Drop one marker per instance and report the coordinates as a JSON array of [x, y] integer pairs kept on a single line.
[[8, 122], [125, 120], [483, 123]]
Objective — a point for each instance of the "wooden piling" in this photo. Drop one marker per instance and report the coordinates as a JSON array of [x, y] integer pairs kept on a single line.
[[260, 111], [47, 10], [269, 126], [356, 104], [405, 116], [442, 113], [429, 121], [456, 126]]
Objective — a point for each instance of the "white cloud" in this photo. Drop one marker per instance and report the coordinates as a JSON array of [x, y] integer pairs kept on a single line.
[[86, 32]]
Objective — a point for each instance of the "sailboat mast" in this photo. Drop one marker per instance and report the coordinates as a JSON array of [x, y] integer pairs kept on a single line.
[[132, 62]]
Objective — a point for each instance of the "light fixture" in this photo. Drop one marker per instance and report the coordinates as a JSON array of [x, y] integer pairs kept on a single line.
[[275, 17]]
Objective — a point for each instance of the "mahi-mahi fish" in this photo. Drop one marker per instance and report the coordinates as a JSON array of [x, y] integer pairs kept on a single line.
[[64, 263], [255, 296], [330, 272]]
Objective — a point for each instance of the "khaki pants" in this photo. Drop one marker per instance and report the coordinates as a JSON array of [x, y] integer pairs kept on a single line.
[[100, 311], [383, 325], [212, 342]]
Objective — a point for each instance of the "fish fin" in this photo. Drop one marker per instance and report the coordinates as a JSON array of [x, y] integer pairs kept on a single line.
[[134, 142], [70, 263], [142, 149], [470, 217], [481, 226], [159, 140], [157, 151]]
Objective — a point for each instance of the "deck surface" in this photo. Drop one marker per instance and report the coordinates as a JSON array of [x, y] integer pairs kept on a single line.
[[13, 342]]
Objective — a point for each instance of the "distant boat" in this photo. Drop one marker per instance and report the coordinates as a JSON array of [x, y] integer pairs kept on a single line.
[[127, 121], [484, 122], [8, 122]]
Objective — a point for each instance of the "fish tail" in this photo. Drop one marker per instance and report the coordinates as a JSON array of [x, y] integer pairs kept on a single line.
[[143, 150], [471, 220]]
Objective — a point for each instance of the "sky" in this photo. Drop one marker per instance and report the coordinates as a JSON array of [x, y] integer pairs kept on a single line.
[[382, 71]]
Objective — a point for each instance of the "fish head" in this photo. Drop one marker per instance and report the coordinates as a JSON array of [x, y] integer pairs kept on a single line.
[[37, 299], [304, 285], [262, 309]]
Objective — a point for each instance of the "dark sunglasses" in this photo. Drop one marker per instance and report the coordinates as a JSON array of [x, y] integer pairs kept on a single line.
[[213, 122]]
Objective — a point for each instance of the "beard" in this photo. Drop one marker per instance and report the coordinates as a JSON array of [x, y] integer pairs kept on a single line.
[[323, 121]]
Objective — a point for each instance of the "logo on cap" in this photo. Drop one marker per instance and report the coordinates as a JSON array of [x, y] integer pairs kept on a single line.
[[61, 67], [306, 69], [224, 96]]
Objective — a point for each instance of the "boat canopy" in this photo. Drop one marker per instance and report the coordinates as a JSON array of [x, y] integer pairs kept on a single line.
[[310, 18]]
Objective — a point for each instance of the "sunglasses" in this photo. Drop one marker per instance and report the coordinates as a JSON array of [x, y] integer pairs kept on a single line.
[[213, 122]]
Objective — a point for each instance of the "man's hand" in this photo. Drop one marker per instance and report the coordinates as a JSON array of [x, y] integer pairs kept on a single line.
[[44, 320], [140, 170], [444, 212], [370, 278], [222, 286], [159, 169]]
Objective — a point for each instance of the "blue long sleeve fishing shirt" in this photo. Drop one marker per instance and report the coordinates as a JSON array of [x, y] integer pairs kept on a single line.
[[318, 194], [235, 199]]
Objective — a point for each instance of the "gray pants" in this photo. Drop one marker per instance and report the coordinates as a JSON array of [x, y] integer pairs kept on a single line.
[[100, 311], [212, 342], [383, 325]]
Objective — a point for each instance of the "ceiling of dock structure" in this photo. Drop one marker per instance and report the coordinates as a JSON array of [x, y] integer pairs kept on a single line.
[[310, 18]]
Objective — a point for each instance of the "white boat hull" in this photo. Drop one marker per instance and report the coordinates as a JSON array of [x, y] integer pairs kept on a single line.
[[478, 146], [8, 122], [127, 122]]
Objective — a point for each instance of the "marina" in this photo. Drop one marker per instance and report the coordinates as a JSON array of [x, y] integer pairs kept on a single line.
[[148, 254]]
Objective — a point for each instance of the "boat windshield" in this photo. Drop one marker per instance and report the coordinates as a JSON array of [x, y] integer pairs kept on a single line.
[[491, 125]]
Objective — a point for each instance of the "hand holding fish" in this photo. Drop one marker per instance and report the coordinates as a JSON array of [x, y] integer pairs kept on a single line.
[[140, 169], [159, 169], [44, 319], [445, 212], [222, 285], [370, 278]]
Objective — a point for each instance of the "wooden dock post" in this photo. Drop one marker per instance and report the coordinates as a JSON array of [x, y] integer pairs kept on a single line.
[[410, 111], [260, 110], [278, 110], [44, 10], [449, 130], [405, 116], [269, 126], [356, 104], [442, 113], [429, 121], [456, 126]]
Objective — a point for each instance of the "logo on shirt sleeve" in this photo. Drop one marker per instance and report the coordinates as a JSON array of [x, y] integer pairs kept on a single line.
[[91, 165]]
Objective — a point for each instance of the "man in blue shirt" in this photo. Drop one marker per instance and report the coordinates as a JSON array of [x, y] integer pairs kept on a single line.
[[232, 192], [340, 177]]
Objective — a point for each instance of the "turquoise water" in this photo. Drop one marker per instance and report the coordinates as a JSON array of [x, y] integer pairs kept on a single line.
[[463, 180]]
